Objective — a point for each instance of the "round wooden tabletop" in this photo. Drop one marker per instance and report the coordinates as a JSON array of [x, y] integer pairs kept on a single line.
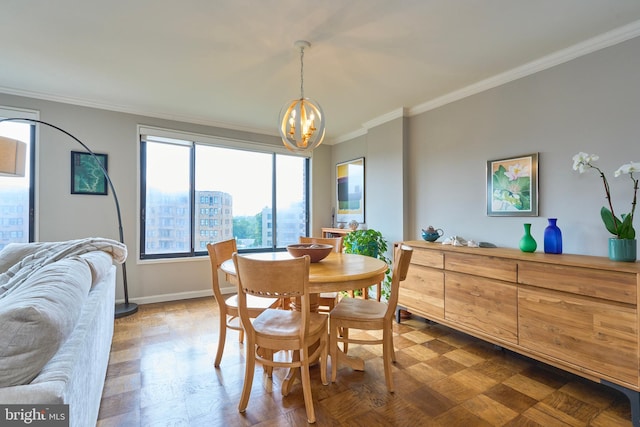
[[337, 272]]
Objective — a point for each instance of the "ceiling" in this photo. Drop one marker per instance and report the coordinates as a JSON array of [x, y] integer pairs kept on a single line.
[[232, 63]]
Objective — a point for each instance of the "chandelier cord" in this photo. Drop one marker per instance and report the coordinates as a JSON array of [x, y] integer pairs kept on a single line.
[[301, 73]]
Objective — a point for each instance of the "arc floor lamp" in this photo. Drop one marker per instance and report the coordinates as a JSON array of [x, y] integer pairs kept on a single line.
[[12, 162]]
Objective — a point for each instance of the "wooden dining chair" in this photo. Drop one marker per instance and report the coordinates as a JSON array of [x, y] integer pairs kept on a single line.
[[369, 314], [276, 330], [218, 253], [326, 300]]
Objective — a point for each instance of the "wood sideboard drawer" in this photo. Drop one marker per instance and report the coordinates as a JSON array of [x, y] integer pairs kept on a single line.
[[423, 291], [482, 304], [605, 284], [478, 265], [427, 258], [598, 335]]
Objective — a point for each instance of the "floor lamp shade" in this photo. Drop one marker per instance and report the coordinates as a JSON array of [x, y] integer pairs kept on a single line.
[[13, 153], [13, 157]]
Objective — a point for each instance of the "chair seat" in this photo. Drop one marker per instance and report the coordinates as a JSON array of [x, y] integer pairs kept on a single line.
[[285, 324], [328, 295], [359, 309], [253, 302]]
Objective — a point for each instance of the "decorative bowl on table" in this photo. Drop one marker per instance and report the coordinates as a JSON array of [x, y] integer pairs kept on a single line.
[[316, 251]]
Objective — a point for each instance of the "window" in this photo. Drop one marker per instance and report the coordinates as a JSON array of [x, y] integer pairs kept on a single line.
[[17, 193], [264, 194]]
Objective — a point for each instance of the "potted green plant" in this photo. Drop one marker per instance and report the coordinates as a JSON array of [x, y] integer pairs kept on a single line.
[[622, 247], [370, 243]]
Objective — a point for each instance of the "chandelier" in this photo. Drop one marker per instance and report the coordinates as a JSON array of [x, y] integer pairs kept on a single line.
[[302, 120]]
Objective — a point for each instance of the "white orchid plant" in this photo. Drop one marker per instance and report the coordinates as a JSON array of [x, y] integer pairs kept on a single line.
[[621, 227]]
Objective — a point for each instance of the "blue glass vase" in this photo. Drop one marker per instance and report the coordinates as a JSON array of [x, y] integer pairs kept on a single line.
[[552, 238]]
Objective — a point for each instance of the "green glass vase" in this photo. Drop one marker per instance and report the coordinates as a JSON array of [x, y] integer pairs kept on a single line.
[[527, 242]]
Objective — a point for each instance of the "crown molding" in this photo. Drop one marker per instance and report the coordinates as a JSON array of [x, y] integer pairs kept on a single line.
[[602, 41], [594, 44], [347, 136], [391, 115], [139, 112], [586, 47]]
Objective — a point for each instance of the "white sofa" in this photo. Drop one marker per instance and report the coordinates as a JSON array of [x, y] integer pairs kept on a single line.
[[56, 323]]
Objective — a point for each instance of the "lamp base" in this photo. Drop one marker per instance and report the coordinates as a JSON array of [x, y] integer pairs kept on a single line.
[[125, 309]]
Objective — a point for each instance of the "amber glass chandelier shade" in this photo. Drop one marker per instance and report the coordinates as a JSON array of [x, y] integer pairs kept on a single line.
[[302, 125]]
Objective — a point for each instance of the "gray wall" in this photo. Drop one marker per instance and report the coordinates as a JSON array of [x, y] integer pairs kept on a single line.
[[589, 104], [386, 192], [428, 169], [62, 216]]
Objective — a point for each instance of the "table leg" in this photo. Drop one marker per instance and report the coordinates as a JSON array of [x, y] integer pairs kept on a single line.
[[294, 373], [314, 303], [291, 375]]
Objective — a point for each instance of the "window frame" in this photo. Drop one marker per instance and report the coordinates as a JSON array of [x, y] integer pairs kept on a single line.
[[192, 140], [12, 113]]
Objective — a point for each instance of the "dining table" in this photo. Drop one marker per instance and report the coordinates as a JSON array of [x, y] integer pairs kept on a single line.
[[335, 273]]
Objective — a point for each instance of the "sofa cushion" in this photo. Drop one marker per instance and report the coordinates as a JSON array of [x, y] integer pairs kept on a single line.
[[38, 316], [100, 264], [15, 252]]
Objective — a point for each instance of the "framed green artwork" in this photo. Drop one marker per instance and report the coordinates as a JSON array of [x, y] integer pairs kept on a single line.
[[87, 177], [512, 186]]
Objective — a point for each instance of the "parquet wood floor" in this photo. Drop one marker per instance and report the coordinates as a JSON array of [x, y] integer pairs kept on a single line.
[[161, 373]]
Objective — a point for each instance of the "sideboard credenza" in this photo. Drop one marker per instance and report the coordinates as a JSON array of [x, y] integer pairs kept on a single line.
[[575, 312]]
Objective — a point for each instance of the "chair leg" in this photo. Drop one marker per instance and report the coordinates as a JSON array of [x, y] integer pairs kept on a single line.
[[345, 336], [333, 350], [323, 358], [241, 335], [268, 369], [222, 336], [387, 356], [250, 365], [306, 385]]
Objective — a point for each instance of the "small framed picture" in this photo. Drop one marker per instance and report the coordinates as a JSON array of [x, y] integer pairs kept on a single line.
[[350, 191], [87, 177], [512, 186]]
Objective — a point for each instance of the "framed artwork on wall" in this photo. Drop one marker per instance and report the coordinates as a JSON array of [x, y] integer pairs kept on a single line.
[[350, 191], [512, 186], [86, 175]]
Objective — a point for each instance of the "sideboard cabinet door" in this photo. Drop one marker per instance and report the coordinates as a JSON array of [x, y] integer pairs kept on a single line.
[[598, 335], [422, 292], [482, 304]]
